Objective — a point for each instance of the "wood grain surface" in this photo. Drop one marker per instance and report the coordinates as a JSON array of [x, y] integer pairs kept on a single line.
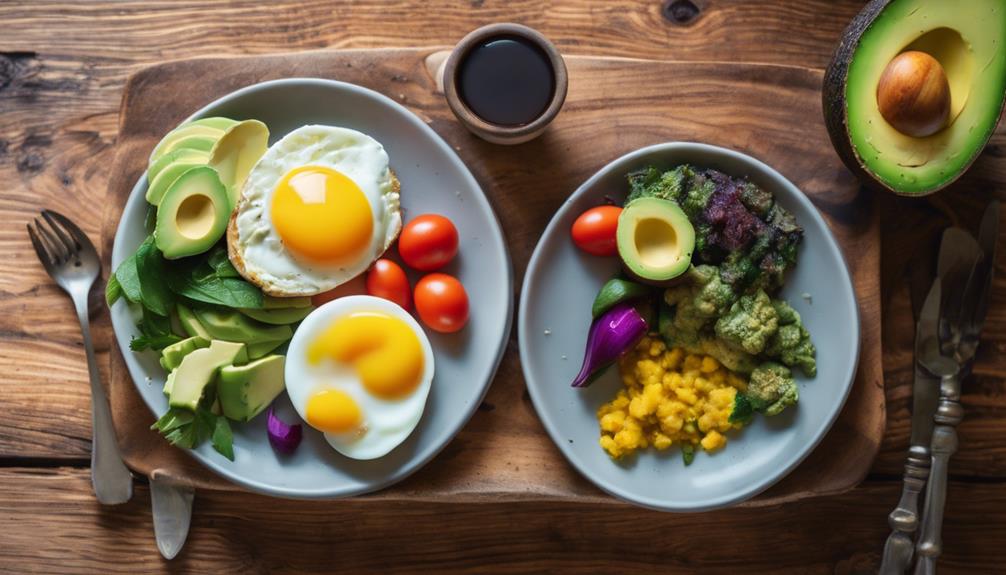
[[62, 69]]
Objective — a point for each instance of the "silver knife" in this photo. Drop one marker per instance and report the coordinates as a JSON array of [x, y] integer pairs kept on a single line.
[[949, 412], [171, 503], [904, 520]]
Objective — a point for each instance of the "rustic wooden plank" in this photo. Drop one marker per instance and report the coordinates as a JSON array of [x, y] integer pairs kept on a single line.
[[51, 523]]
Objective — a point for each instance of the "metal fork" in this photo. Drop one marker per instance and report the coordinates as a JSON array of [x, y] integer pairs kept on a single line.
[[70, 258]]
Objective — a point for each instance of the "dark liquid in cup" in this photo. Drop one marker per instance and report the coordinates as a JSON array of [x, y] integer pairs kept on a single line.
[[506, 81]]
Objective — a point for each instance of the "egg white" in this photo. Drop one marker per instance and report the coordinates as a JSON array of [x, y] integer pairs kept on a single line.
[[264, 259], [386, 423]]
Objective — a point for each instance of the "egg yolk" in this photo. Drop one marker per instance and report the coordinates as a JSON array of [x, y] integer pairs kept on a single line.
[[333, 411], [384, 350], [322, 215]]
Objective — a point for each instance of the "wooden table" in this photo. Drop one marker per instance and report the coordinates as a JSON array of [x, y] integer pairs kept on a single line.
[[62, 67]]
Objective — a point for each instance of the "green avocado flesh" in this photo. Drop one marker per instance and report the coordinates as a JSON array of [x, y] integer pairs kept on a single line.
[[192, 215], [217, 122], [246, 390], [655, 239], [236, 152], [186, 155], [199, 368], [230, 325], [969, 41], [282, 316], [162, 181], [172, 356], [192, 136]]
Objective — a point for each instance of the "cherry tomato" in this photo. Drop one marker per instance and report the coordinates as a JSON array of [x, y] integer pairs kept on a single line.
[[594, 231], [428, 242], [442, 302], [386, 279]]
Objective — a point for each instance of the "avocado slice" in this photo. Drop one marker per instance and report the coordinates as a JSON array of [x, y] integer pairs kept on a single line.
[[263, 348], [157, 187], [171, 356], [655, 240], [186, 133], [199, 368], [192, 215], [218, 122], [230, 325], [967, 39], [236, 152], [180, 155], [281, 316], [189, 323], [246, 390]]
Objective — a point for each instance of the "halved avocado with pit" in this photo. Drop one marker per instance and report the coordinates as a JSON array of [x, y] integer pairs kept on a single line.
[[967, 40], [655, 240], [192, 215]]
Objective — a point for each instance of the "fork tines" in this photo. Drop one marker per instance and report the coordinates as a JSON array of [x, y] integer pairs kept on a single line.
[[56, 239]]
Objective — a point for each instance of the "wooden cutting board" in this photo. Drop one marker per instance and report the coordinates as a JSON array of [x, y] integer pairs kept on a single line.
[[614, 106]]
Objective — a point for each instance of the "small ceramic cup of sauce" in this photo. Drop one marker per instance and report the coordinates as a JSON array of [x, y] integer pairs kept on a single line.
[[505, 83]]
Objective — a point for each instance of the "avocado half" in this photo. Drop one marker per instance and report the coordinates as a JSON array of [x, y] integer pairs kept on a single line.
[[968, 39], [655, 240]]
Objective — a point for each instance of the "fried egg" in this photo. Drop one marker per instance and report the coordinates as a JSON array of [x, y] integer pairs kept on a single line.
[[315, 211], [359, 370]]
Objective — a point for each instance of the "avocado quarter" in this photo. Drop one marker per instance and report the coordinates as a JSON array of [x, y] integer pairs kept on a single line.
[[967, 39], [246, 390], [231, 325], [280, 316], [171, 356], [655, 240]]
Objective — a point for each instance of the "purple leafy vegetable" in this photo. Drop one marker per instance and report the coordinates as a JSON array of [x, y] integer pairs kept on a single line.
[[283, 437], [611, 335]]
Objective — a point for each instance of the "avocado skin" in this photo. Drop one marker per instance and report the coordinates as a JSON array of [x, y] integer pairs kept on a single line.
[[833, 104], [833, 93]]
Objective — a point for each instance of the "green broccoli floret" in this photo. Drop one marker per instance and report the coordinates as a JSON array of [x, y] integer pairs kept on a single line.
[[772, 388], [697, 195], [732, 358], [711, 296], [791, 344], [749, 323], [691, 306], [757, 200], [651, 183]]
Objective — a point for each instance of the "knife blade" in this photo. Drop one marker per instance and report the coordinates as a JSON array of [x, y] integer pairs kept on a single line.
[[926, 390], [171, 504]]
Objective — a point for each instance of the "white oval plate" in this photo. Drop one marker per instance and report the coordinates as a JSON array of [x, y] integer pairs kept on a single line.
[[433, 180], [554, 317]]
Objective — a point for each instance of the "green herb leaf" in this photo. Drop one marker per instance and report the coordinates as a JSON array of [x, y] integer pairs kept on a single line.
[[227, 292], [743, 409], [127, 278], [688, 453], [155, 333], [113, 291], [157, 342], [223, 438], [221, 263], [152, 271]]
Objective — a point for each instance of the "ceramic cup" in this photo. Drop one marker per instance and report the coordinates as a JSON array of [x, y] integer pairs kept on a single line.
[[496, 133]]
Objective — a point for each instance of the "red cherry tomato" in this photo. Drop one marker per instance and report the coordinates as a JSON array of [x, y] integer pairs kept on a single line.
[[428, 242], [386, 279], [594, 231], [442, 303]]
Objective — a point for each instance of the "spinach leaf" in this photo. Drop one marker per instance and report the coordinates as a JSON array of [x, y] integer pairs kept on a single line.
[[127, 278], [113, 291], [152, 270], [227, 292], [223, 438], [155, 333], [150, 220], [221, 263]]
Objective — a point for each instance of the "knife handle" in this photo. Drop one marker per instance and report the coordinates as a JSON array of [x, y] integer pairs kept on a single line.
[[904, 520], [944, 445]]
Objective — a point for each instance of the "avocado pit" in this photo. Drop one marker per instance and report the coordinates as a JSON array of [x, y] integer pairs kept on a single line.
[[913, 94]]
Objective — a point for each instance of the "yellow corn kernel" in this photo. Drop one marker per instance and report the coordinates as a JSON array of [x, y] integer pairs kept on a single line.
[[709, 364], [686, 395], [612, 422], [713, 441], [661, 441]]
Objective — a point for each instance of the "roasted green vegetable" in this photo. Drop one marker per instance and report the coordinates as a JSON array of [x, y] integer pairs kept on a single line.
[[749, 323], [772, 388]]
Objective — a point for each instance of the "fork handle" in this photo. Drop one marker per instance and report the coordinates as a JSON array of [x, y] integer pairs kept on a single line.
[[904, 520], [110, 478], [944, 445]]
